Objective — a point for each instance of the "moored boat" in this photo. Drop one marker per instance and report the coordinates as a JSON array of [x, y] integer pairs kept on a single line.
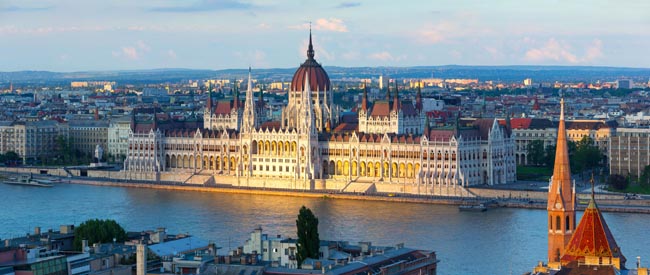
[[473, 207], [26, 180]]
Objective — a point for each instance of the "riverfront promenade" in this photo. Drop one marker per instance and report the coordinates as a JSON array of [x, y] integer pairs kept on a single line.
[[520, 195]]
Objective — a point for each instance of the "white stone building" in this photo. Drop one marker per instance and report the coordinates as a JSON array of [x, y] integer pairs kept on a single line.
[[303, 152]]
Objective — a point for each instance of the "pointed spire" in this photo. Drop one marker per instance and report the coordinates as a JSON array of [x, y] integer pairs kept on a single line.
[[388, 92], [396, 102], [310, 49], [418, 97], [508, 123], [593, 192], [562, 109], [364, 100], [236, 96], [209, 100], [427, 130]]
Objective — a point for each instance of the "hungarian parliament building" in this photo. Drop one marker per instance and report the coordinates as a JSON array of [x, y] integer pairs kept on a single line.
[[391, 148]]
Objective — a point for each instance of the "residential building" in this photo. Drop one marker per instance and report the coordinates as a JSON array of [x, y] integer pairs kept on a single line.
[[118, 137], [85, 135], [31, 140], [629, 151]]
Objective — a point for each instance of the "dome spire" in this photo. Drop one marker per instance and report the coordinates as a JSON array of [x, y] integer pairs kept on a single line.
[[310, 49]]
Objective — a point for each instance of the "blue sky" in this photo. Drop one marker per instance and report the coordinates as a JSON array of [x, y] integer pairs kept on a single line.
[[72, 35]]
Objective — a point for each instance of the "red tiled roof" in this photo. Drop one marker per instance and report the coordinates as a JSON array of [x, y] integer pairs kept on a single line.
[[271, 125], [380, 109], [592, 237], [223, 107], [346, 127]]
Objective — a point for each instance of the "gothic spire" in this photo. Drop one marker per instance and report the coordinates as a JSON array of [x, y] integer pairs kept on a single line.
[[396, 102], [310, 49], [364, 100], [388, 92], [418, 97]]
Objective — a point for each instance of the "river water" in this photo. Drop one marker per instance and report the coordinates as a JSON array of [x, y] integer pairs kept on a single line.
[[499, 241]]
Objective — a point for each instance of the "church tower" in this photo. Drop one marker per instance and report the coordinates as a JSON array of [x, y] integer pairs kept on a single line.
[[561, 198], [248, 122]]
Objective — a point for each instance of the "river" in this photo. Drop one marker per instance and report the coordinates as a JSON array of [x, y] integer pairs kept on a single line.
[[499, 241]]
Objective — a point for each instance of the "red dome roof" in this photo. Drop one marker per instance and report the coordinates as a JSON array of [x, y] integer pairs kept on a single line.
[[318, 79]]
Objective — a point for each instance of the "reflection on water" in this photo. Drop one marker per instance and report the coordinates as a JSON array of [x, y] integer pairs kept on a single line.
[[500, 241]]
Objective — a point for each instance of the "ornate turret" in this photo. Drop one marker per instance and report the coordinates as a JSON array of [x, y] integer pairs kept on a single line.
[[388, 92], [236, 97], [427, 130], [561, 197], [418, 97], [208, 104], [396, 102], [249, 106], [592, 237], [364, 100]]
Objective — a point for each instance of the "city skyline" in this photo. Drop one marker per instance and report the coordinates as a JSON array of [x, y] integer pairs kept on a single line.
[[208, 34]]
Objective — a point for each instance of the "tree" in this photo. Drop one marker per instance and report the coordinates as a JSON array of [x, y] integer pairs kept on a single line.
[[98, 231], [586, 155], [308, 240], [536, 153], [549, 156], [644, 179], [618, 182]]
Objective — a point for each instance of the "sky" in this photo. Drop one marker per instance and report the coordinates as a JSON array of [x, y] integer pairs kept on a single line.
[[78, 35]]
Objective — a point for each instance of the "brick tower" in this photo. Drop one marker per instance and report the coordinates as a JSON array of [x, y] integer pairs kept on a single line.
[[561, 198]]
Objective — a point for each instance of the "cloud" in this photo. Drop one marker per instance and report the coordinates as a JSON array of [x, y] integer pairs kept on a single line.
[[553, 50], [142, 46], [11, 29], [171, 54], [595, 51], [324, 24], [381, 56], [24, 9], [134, 52], [207, 5], [130, 52], [345, 5], [457, 27], [264, 26]]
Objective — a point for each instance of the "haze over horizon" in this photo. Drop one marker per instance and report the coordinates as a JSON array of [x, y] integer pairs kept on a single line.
[[75, 35]]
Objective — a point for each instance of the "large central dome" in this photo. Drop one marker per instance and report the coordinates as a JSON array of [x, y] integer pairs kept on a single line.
[[318, 79]]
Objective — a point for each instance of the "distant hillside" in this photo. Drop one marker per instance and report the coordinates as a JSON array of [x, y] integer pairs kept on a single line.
[[502, 73]]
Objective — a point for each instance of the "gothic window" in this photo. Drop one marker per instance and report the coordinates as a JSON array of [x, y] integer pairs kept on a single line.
[[567, 224], [558, 220]]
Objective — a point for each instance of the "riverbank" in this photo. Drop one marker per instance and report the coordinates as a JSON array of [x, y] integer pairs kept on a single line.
[[613, 205]]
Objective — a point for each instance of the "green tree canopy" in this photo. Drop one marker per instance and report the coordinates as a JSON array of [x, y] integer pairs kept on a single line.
[[308, 239], [98, 231], [536, 152], [618, 182], [586, 155], [644, 179]]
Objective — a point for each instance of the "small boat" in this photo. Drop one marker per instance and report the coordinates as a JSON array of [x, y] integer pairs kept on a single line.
[[26, 180], [473, 207]]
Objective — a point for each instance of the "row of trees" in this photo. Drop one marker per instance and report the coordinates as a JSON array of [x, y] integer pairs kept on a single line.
[[583, 155], [106, 231], [9, 157]]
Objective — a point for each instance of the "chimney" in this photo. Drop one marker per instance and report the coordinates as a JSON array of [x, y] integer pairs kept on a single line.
[[84, 246], [141, 259], [37, 230]]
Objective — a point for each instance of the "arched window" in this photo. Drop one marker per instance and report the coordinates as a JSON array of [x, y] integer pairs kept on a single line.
[[550, 223], [557, 223], [567, 224]]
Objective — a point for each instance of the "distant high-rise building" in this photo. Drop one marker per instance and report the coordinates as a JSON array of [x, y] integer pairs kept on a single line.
[[528, 81], [624, 84], [383, 82]]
